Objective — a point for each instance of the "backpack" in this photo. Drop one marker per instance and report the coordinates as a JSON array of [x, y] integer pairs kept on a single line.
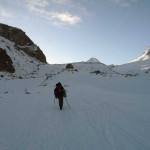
[[61, 90]]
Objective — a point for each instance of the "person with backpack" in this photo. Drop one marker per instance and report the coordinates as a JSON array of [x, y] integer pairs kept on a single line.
[[59, 93]]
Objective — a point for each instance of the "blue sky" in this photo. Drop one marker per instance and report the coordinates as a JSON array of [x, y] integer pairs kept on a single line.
[[113, 31]]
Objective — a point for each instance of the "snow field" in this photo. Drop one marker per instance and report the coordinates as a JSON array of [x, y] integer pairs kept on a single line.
[[106, 113]]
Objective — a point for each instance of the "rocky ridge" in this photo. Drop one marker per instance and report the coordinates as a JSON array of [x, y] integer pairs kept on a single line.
[[22, 42]]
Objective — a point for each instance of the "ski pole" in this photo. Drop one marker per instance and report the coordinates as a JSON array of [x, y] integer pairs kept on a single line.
[[67, 103], [54, 102]]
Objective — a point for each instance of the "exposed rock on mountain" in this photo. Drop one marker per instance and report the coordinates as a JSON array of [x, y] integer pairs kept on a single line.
[[6, 62], [22, 42], [18, 63]]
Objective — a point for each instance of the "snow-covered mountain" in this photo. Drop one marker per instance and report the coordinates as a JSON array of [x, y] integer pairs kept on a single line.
[[139, 66], [93, 61], [146, 55], [19, 56], [22, 42], [24, 65]]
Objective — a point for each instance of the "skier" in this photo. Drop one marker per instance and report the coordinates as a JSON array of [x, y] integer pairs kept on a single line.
[[59, 93]]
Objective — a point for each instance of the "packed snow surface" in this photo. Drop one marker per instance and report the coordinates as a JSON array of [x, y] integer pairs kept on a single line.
[[107, 113]]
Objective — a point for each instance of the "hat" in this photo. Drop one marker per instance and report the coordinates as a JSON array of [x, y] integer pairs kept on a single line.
[[58, 84]]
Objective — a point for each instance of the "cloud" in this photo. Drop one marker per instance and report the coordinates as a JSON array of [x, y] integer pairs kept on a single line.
[[52, 13], [66, 17], [124, 3], [62, 2], [5, 14], [32, 4], [55, 12]]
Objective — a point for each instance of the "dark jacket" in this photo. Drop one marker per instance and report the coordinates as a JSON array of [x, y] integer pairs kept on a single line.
[[59, 91]]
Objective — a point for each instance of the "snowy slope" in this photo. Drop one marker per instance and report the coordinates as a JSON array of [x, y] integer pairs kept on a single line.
[[96, 68], [106, 113], [25, 65], [145, 56], [139, 66]]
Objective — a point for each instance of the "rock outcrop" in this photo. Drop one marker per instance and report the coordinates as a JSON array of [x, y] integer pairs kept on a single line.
[[6, 62], [22, 42]]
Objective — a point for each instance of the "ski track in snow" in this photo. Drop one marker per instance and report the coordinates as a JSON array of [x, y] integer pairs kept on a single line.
[[99, 119]]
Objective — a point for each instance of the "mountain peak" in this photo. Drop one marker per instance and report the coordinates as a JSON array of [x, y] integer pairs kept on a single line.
[[147, 52], [93, 60], [145, 55]]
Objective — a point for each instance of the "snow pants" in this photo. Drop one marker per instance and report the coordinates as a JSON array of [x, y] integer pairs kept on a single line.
[[60, 102]]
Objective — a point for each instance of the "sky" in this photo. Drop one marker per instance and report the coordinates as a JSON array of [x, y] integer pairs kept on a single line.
[[113, 31]]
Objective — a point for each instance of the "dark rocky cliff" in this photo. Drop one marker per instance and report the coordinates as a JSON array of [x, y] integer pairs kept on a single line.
[[22, 42], [6, 62]]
